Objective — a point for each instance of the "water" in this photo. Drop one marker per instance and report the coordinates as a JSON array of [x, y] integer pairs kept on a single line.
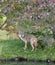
[[26, 63]]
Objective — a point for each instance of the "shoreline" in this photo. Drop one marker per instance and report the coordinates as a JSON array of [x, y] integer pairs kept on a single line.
[[21, 59]]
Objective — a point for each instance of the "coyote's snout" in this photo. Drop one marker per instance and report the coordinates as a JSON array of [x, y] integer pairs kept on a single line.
[[28, 38]]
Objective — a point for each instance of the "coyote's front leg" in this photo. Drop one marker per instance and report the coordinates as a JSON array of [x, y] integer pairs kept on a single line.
[[25, 47]]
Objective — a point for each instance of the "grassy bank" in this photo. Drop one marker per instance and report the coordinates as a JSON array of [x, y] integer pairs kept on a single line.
[[14, 48]]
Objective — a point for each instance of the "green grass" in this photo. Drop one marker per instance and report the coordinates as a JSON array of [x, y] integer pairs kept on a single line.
[[14, 48]]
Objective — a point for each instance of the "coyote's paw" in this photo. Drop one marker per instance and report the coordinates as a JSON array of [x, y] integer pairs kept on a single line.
[[32, 50], [24, 48]]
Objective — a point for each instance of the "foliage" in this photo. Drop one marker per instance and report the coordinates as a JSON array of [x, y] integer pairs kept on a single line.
[[3, 18], [26, 25]]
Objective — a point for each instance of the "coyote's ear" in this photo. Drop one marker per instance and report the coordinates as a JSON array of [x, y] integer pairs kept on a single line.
[[17, 33]]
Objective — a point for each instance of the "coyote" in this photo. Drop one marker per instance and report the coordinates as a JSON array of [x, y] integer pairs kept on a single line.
[[28, 38]]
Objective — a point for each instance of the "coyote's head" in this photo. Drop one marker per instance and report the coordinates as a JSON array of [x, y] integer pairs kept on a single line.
[[21, 34]]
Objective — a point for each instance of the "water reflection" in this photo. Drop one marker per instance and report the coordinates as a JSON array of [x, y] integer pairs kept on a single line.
[[26, 63]]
